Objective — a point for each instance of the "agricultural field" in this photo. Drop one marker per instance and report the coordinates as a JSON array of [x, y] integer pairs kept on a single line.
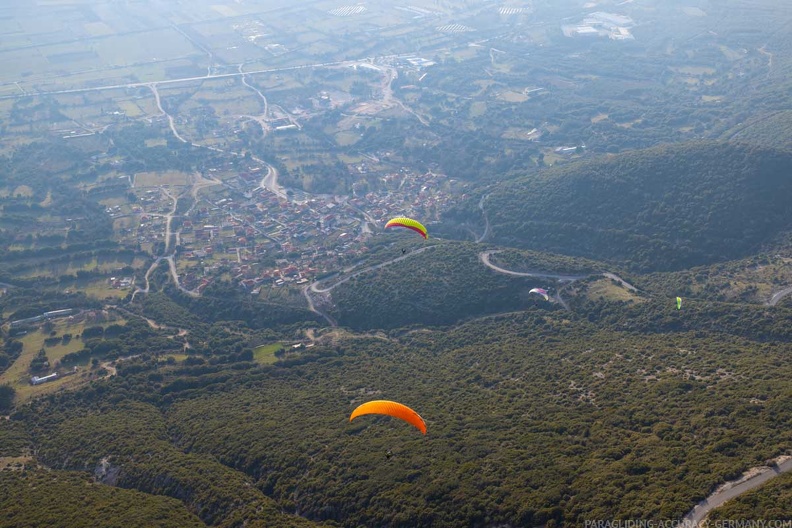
[[158, 179], [100, 289], [101, 264], [18, 375], [265, 354], [110, 44]]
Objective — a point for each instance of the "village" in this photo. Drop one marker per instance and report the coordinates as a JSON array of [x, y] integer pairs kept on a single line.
[[255, 238]]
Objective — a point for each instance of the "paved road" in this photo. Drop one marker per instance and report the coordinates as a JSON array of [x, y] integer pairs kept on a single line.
[[198, 78], [731, 490], [315, 286], [777, 296], [620, 281], [153, 88], [485, 234], [314, 309], [169, 217], [175, 277], [569, 279], [485, 259]]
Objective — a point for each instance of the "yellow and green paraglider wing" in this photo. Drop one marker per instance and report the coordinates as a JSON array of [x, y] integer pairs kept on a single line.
[[409, 223], [390, 408], [679, 303]]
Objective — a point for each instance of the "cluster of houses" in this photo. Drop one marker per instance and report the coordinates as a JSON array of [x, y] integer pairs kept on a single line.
[[121, 283], [309, 235], [600, 24]]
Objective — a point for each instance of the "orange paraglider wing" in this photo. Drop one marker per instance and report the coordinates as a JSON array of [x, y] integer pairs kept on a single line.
[[390, 408]]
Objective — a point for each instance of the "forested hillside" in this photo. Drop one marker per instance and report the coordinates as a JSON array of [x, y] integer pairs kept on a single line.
[[436, 287], [664, 208], [531, 417], [126, 444], [197, 287], [39, 497]]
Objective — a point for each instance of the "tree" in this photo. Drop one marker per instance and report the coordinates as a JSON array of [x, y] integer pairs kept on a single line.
[[40, 363], [7, 395]]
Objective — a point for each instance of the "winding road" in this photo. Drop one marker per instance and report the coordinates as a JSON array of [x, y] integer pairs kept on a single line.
[[312, 307], [174, 276], [260, 119], [315, 285], [153, 88], [315, 288], [270, 181], [777, 296], [485, 259], [621, 281], [735, 488], [168, 253], [485, 234], [569, 279]]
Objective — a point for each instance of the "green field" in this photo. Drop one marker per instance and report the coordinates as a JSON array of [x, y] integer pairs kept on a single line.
[[344, 139], [100, 289], [605, 289], [17, 374], [153, 179], [265, 354], [176, 357], [70, 266]]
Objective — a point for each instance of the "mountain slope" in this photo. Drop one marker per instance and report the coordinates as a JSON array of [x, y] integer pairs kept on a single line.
[[39, 497], [530, 417], [126, 444], [441, 286], [660, 209]]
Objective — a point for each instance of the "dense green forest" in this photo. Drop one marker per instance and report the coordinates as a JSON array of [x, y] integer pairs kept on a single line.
[[664, 208], [536, 414], [127, 444], [770, 130], [439, 286], [531, 417], [15, 440], [39, 497]]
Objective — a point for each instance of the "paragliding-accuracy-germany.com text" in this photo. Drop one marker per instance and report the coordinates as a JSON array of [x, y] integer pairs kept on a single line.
[[719, 523]]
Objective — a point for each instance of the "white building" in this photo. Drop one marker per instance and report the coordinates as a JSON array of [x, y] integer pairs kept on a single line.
[[35, 380]]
